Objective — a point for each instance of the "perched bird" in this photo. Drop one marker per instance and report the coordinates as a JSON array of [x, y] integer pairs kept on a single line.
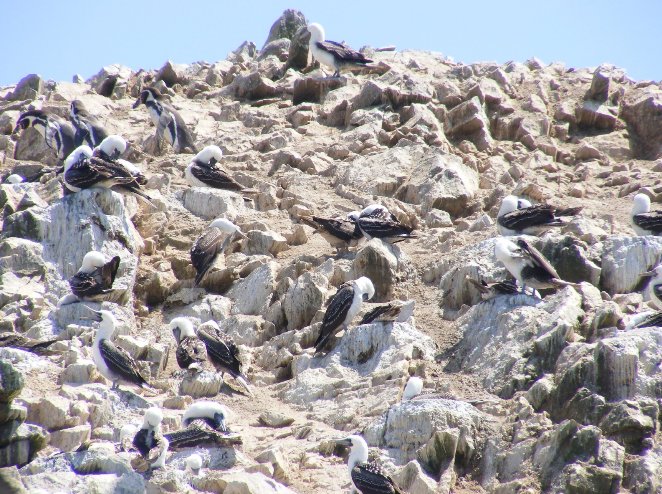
[[60, 135], [645, 221], [376, 221], [149, 441], [527, 264], [332, 54], [213, 414], [114, 363], [654, 286], [413, 388], [191, 351], [9, 339], [169, 123], [224, 356], [516, 217], [111, 148], [95, 277], [204, 172], [491, 290], [341, 233], [14, 178], [367, 478], [395, 311], [344, 305], [82, 170], [194, 463], [648, 319], [204, 423], [212, 242], [89, 129]]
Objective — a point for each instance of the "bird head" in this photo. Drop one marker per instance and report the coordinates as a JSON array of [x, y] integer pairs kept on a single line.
[[654, 273], [77, 107], [375, 209], [181, 327], [523, 203], [413, 388], [353, 216], [207, 409], [508, 205], [194, 463], [358, 449], [14, 178], [153, 417], [316, 32], [111, 148], [31, 118], [641, 204], [77, 155], [504, 249], [92, 261], [366, 287], [146, 95], [226, 226], [210, 155]]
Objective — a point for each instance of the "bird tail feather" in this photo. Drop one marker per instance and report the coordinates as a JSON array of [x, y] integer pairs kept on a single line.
[[244, 383]]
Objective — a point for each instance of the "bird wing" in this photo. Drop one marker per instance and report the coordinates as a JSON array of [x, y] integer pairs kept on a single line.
[[345, 230], [205, 249], [143, 441], [343, 52], [507, 287], [376, 226], [190, 351], [16, 340], [192, 436], [215, 177], [86, 284], [537, 258], [81, 175], [651, 221], [377, 312], [653, 320], [335, 314], [120, 362], [369, 479], [109, 271], [520, 219], [221, 354]]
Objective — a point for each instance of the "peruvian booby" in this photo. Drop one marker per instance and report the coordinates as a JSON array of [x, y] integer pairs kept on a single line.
[[224, 356], [89, 129], [648, 319], [367, 478], [332, 54], [191, 352], [375, 221], [194, 463], [95, 277], [149, 440], [212, 242], [344, 306], [645, 221], [516, 217], [394, 311], [213, 414], [491, 290], [14, 178], [340, 232], [413, 388], [60, 135], [83, 170], [111, 148], [527, 264], [114, 363], [655, 285], [10, 339], [204, 171], [168, 122]]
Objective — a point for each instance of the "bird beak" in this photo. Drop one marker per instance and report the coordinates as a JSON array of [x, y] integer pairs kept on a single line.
[[648, 274], [97, 315], [347, 442], [479, 286], [365, 297], [59, 169], [241, 234]]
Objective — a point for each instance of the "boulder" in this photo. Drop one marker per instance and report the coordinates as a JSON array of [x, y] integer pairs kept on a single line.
[[252, 295], [286, 26], [624, 259], [642, 112], [211, 203], [378, 261], [11, 382], [468, 121], [304, 299]]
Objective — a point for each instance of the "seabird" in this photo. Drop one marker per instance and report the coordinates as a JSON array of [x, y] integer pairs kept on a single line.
[[194, 463], [527, 265], [491, 290], [168, 121], [127, 433], [204, 172], [10, 339], [344, 305], [60, 135], [204, 423], [648, 319], [645, 221], [14, 178], [191, 352], [212, 242], [332, 54], [95, 277], [340, 232], [149, 441], [88, 128], [655, 285], [413, 388], [111, 148], [213, 414], [82, 170], [376, 221], [114, 363], [224, 355], [395, 311], [516, 217], [367, 478]]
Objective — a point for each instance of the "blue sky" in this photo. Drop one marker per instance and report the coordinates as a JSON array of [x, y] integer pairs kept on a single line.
[[60, 38]]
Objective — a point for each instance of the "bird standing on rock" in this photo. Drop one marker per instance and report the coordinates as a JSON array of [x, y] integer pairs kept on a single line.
[[344, 306], [224, 356], [88, 128], [168, 122], [191, 352], [60, 135], [204, 172], [332, 54], [376, 221], [366, 477], [149, 440], [212, 242], [341, 233], [95, 277], [516, 218]]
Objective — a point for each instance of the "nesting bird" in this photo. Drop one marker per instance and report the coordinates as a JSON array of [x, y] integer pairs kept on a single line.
[[89, 129], [95, 277], [210, 244], [334, 55], [204, 172], [211, 413], [527, 265], [111, 148], [344, 306], [645, 221], [367, 478], [413, 388], [340, 232], [491, 290], [517, 217], [60, 135], [394, 311], [114, 363], [191, 352], [10, 339], [376, 221], [149, 440], [224, 356], [168, 122], [204, 423]]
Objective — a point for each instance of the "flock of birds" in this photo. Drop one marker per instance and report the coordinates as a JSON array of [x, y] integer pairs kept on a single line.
[[92, 157]]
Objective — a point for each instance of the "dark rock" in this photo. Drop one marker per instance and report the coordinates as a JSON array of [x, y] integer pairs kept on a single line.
[[31, 146], [278, 48], [27, 88], [252, 87], [642, 111], [172, 73], [297, 57], [286, 26], [313, 90], [27, 441], [595, 115], [11, 382], [468, 121], [628, 425], [599, 90], [570, 258]]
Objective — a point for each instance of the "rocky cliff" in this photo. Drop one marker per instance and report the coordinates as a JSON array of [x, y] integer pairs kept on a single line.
[[521, 394]]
